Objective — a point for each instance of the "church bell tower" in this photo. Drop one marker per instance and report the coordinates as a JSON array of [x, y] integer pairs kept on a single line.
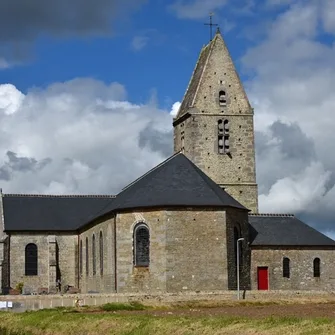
[[214, 126]]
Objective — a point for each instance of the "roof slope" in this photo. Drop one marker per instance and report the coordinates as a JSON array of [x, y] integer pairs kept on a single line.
[[216, 59], [41, 212], [189, 96], [175, 182], [284, 230]]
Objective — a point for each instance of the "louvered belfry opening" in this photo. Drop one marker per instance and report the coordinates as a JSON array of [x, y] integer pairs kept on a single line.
[[141, 246]]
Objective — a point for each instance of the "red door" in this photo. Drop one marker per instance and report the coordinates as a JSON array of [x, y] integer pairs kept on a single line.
[[263, 278]]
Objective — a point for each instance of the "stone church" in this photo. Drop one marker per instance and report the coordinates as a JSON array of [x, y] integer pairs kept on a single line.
[[189, 224]]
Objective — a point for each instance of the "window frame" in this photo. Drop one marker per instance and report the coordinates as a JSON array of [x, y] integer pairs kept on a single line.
[[101, 253], [81, 257], [31, 260], [137, 262], [222, 98], [286, 267], [316, 267], [87, 259], [94, 254]]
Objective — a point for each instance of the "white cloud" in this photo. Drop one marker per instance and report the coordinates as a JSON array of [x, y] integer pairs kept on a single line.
[[292, 92], [299, 192], [10, 99], [139, 42], [142, 39], [175, 108], [79, 136]]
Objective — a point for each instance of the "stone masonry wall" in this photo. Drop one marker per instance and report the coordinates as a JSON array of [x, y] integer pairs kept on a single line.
[[4, 264], [301, 268], [235, 172], [196, 250], [4, 245], [141, 279], [22, 303], [99, 282], [187, 251], [239, 219], [67, 245]]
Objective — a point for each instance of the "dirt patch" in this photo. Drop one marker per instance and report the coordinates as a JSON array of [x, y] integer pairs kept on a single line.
[[293, 310]]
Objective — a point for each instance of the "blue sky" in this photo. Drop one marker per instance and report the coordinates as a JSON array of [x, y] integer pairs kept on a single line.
[[166, 52], [64, 128]]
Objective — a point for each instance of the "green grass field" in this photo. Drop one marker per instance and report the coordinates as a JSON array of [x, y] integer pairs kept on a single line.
[[136, 319]]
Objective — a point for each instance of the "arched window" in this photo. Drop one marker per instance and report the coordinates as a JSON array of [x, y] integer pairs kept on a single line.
[[31, 260], [101, 250], [81, 257], [286, 267], [94, 261], [316, 267], [87, 268], [222, 98], [141, 245]]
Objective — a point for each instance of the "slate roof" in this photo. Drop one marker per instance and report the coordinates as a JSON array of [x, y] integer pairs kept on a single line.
[[284, 230], [53, 213], [175, 182]]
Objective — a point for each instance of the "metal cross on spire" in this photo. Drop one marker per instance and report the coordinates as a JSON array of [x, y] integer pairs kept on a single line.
[[211, 25]]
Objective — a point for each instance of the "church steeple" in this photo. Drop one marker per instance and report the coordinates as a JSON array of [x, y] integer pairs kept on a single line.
[[214, 125]]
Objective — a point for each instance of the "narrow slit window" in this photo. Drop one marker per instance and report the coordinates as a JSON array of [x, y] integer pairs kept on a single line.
[[81, 257], [87, 267], [94, 262], [286, 267], [141, 245], [101, 250], [31, 260], [316, 268]]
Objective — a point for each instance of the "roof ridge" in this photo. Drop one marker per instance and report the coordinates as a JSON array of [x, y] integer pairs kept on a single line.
[[271, 214], [151, 170], [58, 195]]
